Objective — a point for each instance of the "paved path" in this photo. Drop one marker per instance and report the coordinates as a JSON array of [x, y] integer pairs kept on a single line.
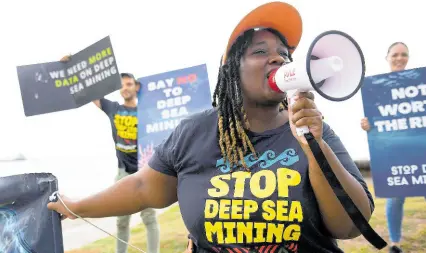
[[78, 233]]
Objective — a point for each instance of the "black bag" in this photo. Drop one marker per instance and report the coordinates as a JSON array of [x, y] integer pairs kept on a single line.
[[26, 225]]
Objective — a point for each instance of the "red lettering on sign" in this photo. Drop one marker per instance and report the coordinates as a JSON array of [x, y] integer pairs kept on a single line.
[[187, 79]]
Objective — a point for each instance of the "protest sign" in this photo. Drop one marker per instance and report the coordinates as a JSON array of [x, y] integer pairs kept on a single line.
[[56, 86], [164, 100], [395, 104], [26, 225]]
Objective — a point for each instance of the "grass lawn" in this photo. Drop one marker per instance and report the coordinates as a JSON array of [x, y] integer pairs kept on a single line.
[[174, 240]]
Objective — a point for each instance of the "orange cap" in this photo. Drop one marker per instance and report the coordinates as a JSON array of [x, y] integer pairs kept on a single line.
[[280, 16]]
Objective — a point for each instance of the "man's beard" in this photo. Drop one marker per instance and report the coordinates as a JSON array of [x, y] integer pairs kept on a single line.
[[128, 99]]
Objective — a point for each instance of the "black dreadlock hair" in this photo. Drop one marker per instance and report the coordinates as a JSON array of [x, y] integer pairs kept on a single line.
[[233, 140]]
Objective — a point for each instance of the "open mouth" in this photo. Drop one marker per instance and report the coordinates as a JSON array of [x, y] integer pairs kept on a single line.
[[270, 72]]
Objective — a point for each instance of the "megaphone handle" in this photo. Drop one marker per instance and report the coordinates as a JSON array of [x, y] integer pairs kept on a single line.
[[299, 130]]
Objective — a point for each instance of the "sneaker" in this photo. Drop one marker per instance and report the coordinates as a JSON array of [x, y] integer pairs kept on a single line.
[[395, 249]]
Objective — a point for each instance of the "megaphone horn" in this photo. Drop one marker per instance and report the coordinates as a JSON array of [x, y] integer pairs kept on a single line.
[[334, 67]]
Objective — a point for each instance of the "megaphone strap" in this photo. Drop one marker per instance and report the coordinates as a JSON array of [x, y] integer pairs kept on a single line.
[[354, 213]]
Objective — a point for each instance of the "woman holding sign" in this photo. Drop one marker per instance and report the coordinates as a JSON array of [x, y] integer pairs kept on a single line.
[[244, 180], [397, 58]]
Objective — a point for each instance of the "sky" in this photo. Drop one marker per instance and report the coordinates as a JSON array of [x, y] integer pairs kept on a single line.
[[151, 37]]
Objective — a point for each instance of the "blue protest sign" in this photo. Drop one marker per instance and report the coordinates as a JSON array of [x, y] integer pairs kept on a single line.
[[164, 100], [395, 105]]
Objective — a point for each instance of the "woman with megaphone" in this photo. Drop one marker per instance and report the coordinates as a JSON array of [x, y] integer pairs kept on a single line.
[[244, 179], [397, 57]]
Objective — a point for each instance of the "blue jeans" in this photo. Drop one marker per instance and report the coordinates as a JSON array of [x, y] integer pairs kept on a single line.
[[394, 214]]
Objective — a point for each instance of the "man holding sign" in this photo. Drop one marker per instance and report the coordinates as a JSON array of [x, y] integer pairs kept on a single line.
[[124, 124]]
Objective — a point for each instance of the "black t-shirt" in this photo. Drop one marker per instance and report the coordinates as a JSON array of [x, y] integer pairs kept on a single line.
[[270, 209], [124, 124]]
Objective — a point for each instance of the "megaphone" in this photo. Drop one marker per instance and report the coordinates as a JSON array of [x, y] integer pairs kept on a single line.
[[334, 67]]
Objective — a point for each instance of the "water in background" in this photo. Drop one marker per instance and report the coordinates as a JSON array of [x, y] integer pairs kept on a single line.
[[77, 177]]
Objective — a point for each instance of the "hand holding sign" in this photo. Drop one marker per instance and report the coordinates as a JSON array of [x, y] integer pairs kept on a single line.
[[65, 58], [365, 125], [60, 208]]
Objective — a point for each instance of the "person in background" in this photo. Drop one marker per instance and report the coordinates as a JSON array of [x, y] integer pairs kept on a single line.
[[245, 181], [397, 57], [124, 126]]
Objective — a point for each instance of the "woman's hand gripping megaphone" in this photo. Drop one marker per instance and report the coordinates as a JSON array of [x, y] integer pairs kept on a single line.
[[303, 112]]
